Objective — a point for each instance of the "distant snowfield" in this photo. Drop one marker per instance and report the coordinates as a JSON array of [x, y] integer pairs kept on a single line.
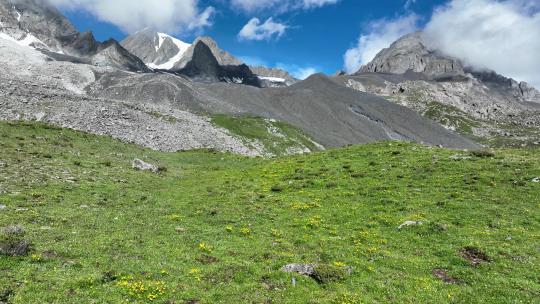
[[182, 46], [273, 79]]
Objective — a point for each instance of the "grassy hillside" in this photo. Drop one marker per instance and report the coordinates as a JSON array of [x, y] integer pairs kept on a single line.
[[217, 228], [276, 138]]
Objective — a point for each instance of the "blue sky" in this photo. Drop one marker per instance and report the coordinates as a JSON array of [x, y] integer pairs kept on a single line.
[[316, 38]]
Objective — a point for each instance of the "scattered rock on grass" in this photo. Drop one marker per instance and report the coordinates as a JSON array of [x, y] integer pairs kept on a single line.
[[474, 255], [536, 180], [144, 166], [443, 276], [323, 274], [303, 269], [410, 223], [2, 207], [459, 157], [12, 242]]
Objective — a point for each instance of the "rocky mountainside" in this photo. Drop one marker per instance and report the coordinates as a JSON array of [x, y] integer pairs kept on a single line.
[[40, 25], [164, 52], [90, 86], [482, 104]]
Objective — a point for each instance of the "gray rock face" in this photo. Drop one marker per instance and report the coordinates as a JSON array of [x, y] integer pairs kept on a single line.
[[529, 93], [19, 17], [409, 53], [38, 24], [205, 67]]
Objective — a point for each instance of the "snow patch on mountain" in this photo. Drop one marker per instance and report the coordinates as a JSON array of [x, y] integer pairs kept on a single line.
[[18, 15], [182, 46], [28, 40], [273, 79]]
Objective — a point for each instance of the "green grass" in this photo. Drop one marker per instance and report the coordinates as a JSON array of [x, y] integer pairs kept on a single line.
[[217, 228], [277, 138]]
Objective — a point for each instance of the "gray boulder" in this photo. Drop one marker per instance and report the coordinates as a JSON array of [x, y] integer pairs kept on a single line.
[[141, 165]]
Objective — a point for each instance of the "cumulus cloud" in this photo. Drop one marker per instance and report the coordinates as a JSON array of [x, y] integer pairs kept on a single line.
[[173, 16], [255, 30], [379, 35], [503, 36], [251, 6]]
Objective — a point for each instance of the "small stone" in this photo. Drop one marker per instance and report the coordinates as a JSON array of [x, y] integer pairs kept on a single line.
[[536, 180], [303, 269], [459, 157], [410, 223], [21, 209], [180, 229], [2, 207], [144, 166]]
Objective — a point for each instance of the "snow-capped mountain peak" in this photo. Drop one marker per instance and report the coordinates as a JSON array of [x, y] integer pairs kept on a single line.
[[157, 50]]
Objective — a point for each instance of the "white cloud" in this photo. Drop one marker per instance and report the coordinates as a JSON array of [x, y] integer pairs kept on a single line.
[[298, 72], [500, 35], [317, 3], [173, 16], [251, 6], [255, 30], [380, 35]]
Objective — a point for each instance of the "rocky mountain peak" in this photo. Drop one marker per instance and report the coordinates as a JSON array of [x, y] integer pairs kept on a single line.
[[204, 66], [410, 53], [158, 50]]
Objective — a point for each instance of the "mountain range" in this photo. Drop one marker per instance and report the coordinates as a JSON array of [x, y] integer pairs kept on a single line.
[[166, 94]]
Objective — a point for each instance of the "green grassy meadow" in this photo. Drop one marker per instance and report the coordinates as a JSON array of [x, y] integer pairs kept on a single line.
[[218, 228]]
